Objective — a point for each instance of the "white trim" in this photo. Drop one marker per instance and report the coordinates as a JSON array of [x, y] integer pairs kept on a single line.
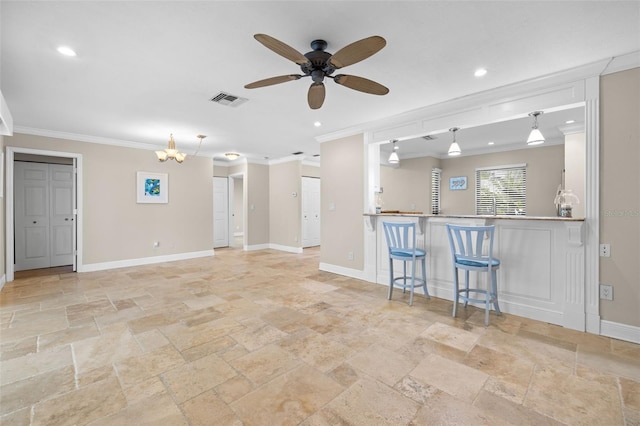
[[341, 270], [144, 261], [288, 249], [3, 281], [9, 219], [83, 138], [257, 247], [622, 63], [6, 120], [620, 331]]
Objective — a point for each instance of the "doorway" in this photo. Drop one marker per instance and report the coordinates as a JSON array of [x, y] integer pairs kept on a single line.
[[70, 238], [236, 211]]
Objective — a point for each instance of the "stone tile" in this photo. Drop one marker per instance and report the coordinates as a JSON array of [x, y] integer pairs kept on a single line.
[[89, 309], [233, 389], [24, 393], [287, 399], [382, 364], [511, 412], [81, 406], [510, 376], [318, 351], [34, 364], [415, 390], [17, 418], [444, 409], [145, 389], [625, 349], [18, 348], [630, 391], [157, 410], [282, 317], [257, 334], [185, 337], [207, 409], [264, 364], [571, 399], [451, 336], [136, 369], [456, 379], [189, 380], [105, 349], [610, 363], [68, 335], [366, 402], [208, 348], [151, 340], [344, 374]]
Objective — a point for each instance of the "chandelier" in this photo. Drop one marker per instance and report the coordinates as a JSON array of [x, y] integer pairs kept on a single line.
[[171, 153]]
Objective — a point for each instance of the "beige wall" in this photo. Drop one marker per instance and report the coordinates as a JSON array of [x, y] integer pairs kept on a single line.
[[310, 171], [285, 214], [115, 227], [544, 170], [619, 194], [238, 206], [3, 268], [256, 185], [575, 161], [342, 198], [408, 187]]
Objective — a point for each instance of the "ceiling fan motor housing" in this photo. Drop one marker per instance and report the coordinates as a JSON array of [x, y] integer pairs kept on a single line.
[[319, 66]]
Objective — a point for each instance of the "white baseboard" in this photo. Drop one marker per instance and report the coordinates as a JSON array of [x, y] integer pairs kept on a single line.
[[341, 270], [288, 249], [143, 261], [620, 331], [3, 281]]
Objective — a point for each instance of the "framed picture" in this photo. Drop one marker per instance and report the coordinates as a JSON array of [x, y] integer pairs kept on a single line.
[[152, 188], [458, 183]]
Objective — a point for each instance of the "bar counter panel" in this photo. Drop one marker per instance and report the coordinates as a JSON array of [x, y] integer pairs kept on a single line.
[[542, 262]]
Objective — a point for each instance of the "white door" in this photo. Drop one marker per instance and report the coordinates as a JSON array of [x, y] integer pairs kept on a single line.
[[61, 214], [220, 212], [31, 205], [310, 212]]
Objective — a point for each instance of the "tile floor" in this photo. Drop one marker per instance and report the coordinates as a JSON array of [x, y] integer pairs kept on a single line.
[[264, 338]]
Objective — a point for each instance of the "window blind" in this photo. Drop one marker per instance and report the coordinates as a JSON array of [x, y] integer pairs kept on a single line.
[[501, 190], [436, 175]]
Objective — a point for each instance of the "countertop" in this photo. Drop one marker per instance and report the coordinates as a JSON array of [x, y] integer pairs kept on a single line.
[[471, 216]]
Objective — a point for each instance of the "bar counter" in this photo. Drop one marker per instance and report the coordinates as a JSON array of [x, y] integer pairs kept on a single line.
[[542, 261]]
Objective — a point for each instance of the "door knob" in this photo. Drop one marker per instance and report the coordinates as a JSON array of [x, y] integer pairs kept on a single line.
[[66, 218], [35, 221]]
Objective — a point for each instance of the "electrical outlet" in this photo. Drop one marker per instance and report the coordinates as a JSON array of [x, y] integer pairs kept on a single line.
[[606, 292], [605, 250], [350, 255]]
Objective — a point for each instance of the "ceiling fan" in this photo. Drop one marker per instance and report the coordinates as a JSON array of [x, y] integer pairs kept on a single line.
[[319, 64]]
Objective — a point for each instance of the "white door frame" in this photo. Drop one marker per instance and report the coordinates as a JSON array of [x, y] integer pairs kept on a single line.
[[9, 236], [232, 182]]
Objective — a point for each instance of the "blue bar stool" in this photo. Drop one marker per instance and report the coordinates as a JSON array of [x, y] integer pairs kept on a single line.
[[401, 240], [466, 243]]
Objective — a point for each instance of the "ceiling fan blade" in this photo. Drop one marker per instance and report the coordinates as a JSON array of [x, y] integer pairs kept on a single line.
[[357, 51], [316, 95], [361, 84], [271, 81], [282, 49]]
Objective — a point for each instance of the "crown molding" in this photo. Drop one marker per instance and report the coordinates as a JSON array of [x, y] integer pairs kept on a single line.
[[83, 138], [622, 63]]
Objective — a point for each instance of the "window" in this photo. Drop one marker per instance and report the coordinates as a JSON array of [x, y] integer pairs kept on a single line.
[[502, 190], [435, 190]]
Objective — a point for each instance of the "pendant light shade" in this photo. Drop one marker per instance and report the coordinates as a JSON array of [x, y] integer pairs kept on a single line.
[[535, 137], [393, 158], [454, 149]]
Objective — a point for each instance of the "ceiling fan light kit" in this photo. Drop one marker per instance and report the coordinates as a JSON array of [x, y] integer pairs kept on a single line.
[[319, 64]]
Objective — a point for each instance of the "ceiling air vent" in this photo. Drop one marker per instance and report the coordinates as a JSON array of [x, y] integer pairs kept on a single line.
[[227, 99], [429, 138]]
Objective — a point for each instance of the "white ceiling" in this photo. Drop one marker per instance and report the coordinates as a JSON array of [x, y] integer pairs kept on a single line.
[[146, 69]]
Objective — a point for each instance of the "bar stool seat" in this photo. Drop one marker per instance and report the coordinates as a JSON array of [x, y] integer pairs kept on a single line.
[[401, 241], [467, 243]]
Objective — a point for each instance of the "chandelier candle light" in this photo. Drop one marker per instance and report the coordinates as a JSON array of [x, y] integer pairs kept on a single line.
[[171, 153]]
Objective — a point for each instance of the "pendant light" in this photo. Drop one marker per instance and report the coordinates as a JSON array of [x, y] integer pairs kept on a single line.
[[393, 158], [454, 149], [535, 137]]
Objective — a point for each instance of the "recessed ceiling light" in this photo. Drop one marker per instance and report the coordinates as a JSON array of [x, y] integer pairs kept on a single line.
[[317, 124], [480, 72], [569, 121], [66, 51], [491, 143]]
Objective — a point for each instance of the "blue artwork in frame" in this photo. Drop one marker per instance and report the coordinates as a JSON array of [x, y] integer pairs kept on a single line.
[[152, 188], [458, 183]]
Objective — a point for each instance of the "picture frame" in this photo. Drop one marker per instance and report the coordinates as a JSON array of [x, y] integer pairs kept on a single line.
[[152, 188], [458, 183]]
